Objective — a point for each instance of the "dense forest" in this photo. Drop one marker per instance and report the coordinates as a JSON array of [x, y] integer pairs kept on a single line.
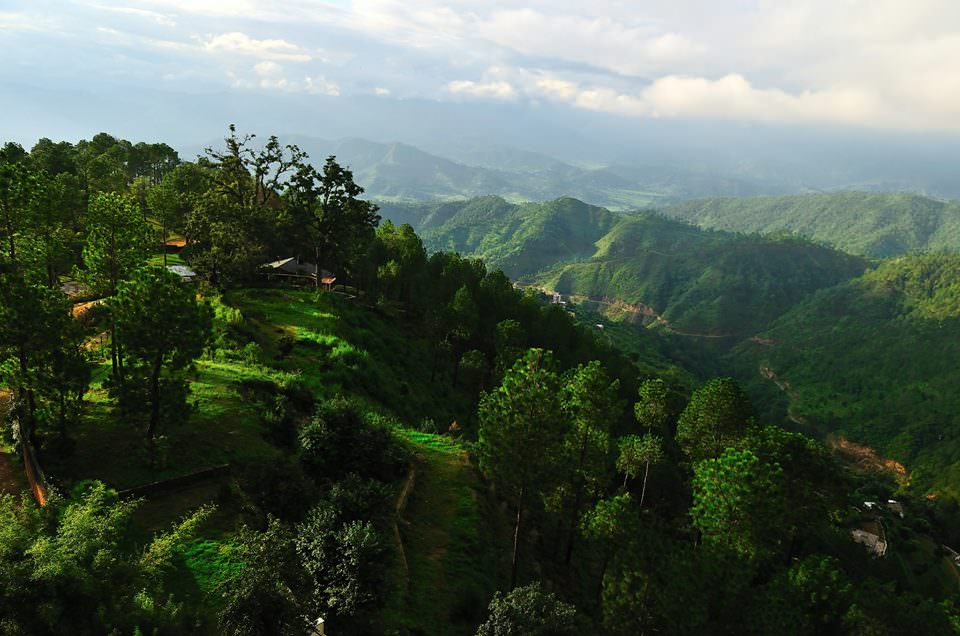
[[876, 225], [236, 400]]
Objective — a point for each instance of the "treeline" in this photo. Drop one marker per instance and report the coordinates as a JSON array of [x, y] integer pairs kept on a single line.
[[751, 537]]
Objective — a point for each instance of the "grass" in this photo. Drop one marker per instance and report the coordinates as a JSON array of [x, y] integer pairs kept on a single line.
[[337, 347], [454, 543], [223, 428]]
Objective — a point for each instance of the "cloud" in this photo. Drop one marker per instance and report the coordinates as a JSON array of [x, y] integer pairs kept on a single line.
[[601, 41], [879, 63], [267, 69], [162, 19], [494, 90], [321, 86], [728, 97], [21, 21], [242, 44]]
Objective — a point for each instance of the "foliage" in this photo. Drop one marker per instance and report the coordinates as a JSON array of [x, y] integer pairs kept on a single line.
[[346, 565], [341, 440], [529, 611], [871, 360], [73, 563], [264, 596], [739, 502], [717, 417], [873, 224], [521, 430], [163, 329], [116, 243]]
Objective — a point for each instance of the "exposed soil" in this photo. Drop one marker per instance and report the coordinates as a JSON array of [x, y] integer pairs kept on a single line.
[[865, 458]]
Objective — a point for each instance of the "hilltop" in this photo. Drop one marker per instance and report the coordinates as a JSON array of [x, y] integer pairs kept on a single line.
[[875, 225]]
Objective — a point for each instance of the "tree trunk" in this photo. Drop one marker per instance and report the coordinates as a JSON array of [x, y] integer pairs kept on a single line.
[[643, 491], [31, 401], [436, 357], [163, 237], [154, 397], [577, 499], [63, 413], [114, 366], [516, 540]]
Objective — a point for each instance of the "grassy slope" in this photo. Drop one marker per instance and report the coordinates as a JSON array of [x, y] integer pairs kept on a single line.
[[449, 531], [449, 528], [875, 360], [870, 224], [454, 543]]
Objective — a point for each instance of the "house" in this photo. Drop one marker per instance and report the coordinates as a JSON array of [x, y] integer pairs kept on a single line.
[[174, 245], [186, 274], [294, 268], [871, 535]]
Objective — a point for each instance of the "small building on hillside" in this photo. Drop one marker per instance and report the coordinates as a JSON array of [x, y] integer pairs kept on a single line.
[[295, 269], [174, 245], [186, 274], [872, 535]]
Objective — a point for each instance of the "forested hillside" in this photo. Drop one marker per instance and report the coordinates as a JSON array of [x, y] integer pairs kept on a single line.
[[874, 359], [706, 282], [876, 225], [242, 403], [702, 282]]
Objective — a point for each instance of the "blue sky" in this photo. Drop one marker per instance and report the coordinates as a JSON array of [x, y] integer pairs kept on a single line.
[[889, 65]]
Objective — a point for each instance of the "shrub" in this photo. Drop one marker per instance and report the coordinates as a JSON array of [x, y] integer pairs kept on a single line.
[[342, 440]]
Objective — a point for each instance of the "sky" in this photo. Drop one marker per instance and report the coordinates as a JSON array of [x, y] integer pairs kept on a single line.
[[880, 66]]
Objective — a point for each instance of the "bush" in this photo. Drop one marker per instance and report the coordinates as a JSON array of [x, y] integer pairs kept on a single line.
[[279, 488], [341, 440]]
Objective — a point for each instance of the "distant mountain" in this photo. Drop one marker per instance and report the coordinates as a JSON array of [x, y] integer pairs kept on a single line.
[[705, 282], [870, 224], [398, 172], [873, 359]]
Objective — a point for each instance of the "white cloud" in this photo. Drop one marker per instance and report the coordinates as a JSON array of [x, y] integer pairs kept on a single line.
[[267, 69], [728, 97], [601, 41], [881, 63], [162, 19], [21, 21], [242, 44], [381, 91], [494, 90], [321, 86]]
